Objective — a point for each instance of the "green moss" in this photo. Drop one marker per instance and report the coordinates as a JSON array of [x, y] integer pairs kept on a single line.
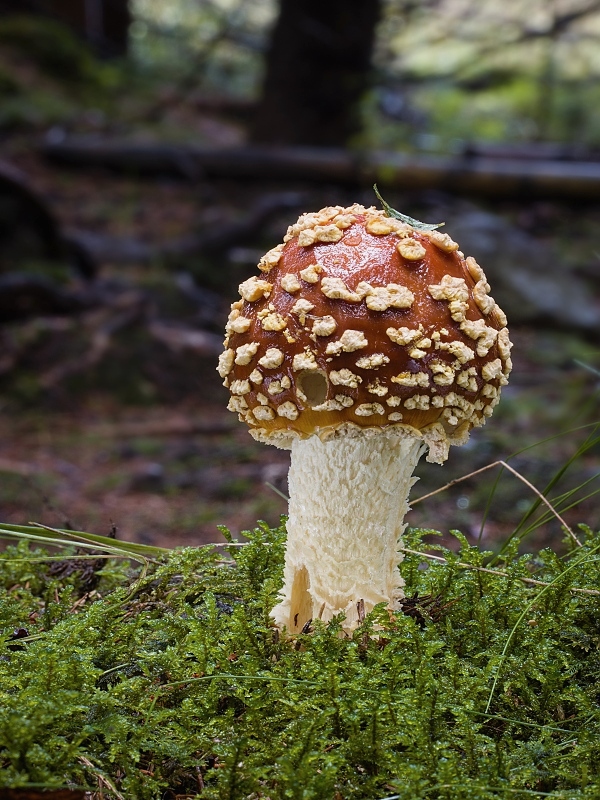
[[175, 683]]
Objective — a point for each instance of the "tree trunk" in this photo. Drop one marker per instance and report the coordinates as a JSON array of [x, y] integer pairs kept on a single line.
[[317, 69]]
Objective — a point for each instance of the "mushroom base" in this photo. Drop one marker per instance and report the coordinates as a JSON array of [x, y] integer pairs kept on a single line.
[[348, 499]]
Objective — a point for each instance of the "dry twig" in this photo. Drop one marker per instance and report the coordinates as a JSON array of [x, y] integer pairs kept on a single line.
[[103, 781], [497, 572], [536, 491]]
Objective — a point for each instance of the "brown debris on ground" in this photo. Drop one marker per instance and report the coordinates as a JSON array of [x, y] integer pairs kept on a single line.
[[162, 476]]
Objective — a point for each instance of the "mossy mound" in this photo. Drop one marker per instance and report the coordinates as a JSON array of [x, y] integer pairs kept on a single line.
[[173, 683]]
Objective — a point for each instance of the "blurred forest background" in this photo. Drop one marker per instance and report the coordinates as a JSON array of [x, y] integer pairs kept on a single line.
[[152, 151]]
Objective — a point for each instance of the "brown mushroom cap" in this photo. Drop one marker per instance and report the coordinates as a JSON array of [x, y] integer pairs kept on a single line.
[[362, 321]]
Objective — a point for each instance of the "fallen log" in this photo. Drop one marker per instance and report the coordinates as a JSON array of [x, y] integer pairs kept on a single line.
[[545, 151], [462, 174]]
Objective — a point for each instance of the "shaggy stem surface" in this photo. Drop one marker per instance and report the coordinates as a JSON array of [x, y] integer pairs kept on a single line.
[[348, 500]]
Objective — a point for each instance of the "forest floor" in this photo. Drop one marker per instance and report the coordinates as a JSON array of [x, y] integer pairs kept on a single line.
[[140, 438]]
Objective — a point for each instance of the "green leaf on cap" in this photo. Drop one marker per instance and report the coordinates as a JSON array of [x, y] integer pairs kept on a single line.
[[391, 212]]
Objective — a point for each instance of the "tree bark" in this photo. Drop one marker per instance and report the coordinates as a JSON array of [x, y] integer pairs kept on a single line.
[[317, 69]]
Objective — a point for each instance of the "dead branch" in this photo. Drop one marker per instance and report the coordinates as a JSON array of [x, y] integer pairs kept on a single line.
[[499, 572], [518, 475], [26, 205], [103, 781], [17, 340]]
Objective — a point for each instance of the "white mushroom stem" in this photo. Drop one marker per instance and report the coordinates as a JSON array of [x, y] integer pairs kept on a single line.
[[348, 499]]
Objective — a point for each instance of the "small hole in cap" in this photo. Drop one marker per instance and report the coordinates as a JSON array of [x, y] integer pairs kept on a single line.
[[313, 386]]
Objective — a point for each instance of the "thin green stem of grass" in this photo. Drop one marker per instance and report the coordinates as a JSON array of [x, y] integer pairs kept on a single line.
[[277, 491], [504, 465], [546, 517], [586, 367], [43, 559], [87, 539], [591, 441], [59, 542], [517, 721]]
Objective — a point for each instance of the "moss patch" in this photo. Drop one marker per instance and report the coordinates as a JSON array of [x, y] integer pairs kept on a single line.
[[174, 683]]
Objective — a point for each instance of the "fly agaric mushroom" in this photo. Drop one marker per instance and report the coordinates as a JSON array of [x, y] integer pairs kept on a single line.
[[366, 341]]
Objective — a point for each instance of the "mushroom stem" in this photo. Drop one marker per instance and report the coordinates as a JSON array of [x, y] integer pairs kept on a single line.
[[348, 499]]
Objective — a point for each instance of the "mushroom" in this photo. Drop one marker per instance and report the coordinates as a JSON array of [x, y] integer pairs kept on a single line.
[[366, 341]]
